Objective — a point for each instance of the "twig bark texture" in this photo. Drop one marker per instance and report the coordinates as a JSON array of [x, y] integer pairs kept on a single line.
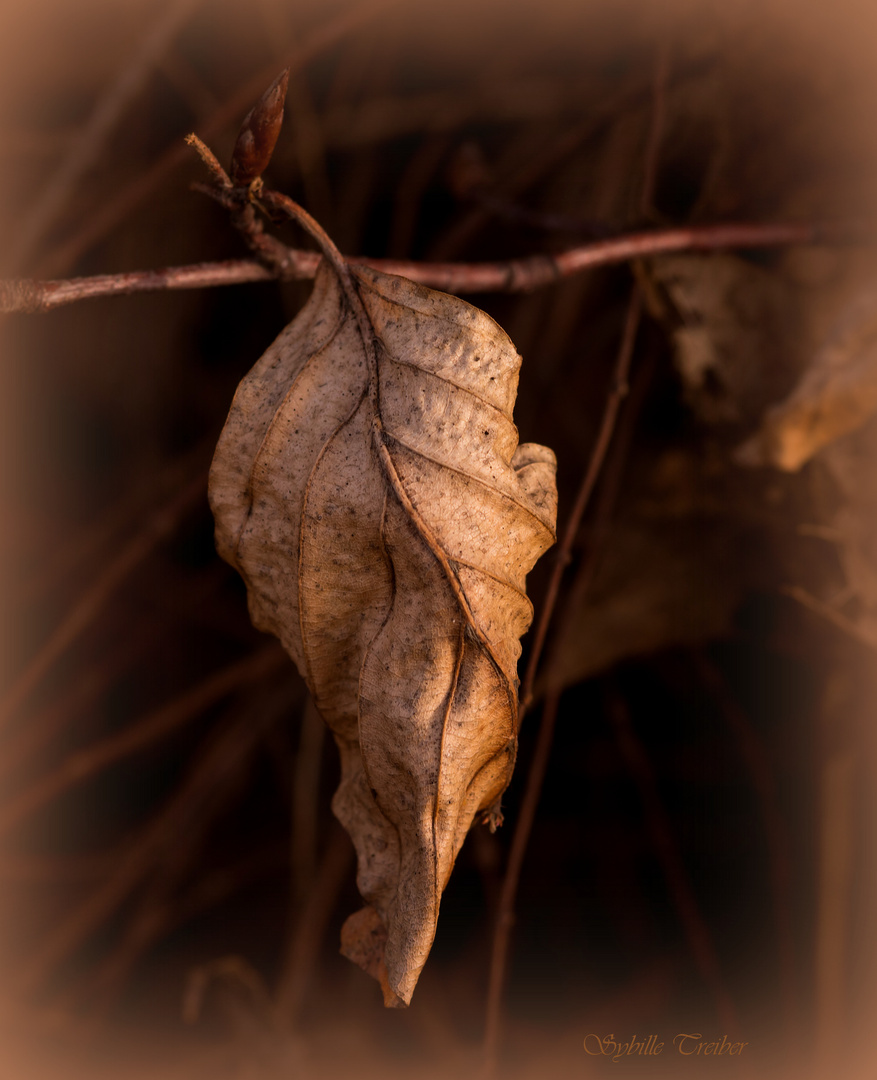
[[506, 275]]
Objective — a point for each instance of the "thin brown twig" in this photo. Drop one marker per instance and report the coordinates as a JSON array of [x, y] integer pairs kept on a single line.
[[236, 972], [660, 829], [28, 296], [497, 96], [593, 539], [839, 844], [86, 149], [106, 216], [508, 210], [536, 167], [44, 725], [309, 147], [539, 763], [505, 917], [563, 555], [502, 200], [160, 723], [157, 900], [214, 767], [305, 802], [100, 536], [660, 79], [55, 869], [80, 555], [354, 199], [157, 919], [411, 188], [188, 83], [504, 275], [304, 943], [620, 382], [755, 757], [221, 180], [92, 601], [862, 633], [161, 902], [667, 851]]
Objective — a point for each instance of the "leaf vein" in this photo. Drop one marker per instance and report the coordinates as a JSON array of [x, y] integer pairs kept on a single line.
[[470, 476]]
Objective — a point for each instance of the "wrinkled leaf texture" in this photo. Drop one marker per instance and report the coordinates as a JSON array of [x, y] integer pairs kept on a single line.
[[384, 518]]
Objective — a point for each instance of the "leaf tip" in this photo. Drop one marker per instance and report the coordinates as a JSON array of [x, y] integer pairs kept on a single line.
[[363, 940]]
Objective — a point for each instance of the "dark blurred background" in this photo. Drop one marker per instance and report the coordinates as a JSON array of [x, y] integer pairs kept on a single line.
[[172, 880]]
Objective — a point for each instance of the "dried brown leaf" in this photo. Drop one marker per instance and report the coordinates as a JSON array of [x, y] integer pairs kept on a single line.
[[850, 515], [370, 488], [836, 394], [682, 552], [731, 324]]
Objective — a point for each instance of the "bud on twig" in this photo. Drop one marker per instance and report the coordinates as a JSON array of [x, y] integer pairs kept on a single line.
[[258, 134]]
